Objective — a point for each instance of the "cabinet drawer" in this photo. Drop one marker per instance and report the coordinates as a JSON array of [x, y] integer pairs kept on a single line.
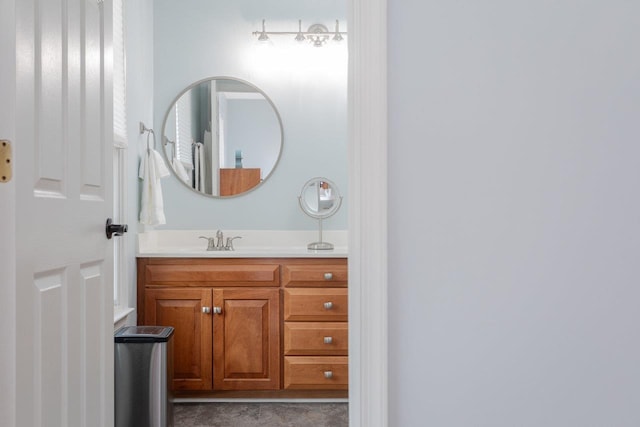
[[316, 338], [321, 372], [315, 304], [315, 275], [213, 275]]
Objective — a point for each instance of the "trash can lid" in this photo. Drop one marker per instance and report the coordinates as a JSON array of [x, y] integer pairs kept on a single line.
[[142, 334]]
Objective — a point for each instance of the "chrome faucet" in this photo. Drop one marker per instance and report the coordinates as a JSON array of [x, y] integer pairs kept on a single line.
[[219, 240], [217, 243]]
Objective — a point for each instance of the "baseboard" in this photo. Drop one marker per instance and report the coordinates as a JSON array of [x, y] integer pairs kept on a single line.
[[293, 396]]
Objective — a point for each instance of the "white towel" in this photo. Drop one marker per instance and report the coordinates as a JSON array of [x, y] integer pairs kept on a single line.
[[208, 179], [198, 161], [180, 170], [152, 168]]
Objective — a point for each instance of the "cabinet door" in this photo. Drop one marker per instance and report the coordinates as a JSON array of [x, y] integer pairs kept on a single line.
[[246, 348], [182, 309]]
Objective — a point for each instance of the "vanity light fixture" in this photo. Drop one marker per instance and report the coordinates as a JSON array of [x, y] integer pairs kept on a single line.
[[316, 34], [263, 34]]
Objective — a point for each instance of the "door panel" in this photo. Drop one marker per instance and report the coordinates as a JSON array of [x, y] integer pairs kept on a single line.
[[48, 351]]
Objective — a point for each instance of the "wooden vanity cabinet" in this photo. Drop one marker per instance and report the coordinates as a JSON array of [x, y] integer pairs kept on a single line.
[[226, 337], [244, 345], [250, 324]]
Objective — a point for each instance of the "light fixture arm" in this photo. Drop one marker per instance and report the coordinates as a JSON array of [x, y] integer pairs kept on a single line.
[[316, 34]]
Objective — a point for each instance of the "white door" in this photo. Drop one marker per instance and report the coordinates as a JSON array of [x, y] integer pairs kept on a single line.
[[63, 196]]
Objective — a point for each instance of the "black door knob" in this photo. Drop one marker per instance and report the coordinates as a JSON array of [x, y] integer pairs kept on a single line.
[[115, 229]]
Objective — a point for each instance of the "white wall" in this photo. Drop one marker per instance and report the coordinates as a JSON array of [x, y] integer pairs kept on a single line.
[[308, 85], [514, 214]]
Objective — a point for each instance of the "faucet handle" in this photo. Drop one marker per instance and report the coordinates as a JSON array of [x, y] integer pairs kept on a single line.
[[211, 243], [229, 245]]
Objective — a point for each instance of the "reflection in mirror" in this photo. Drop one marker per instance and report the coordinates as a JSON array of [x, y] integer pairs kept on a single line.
[[320, 199], [222, 136]]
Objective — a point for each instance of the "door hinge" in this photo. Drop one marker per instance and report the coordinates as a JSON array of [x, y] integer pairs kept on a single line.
[[6, 162]]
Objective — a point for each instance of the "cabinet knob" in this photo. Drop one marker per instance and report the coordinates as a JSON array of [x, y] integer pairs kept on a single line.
[[328, 276], [328, 374], [328, 305], [206, 310], [328, 340], [217, 310]]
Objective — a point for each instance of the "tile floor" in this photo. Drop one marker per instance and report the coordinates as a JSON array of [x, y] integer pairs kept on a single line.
[[261, 414]]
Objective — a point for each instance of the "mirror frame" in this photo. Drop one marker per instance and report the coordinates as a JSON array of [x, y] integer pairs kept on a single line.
[[164, 139], [307, 209]]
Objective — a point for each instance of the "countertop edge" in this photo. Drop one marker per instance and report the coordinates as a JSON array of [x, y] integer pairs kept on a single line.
[[336, 253]]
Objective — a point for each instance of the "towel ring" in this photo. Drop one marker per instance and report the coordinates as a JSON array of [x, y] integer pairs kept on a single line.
[[173, 148], [150, 132]]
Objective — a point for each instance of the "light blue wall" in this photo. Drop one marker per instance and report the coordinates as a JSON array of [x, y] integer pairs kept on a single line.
[[204, 38], [514, 270], [252, 138], [139, 31]]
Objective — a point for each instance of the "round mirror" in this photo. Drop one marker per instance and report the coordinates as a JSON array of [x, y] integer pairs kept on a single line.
[[320, 199], [222, 136]]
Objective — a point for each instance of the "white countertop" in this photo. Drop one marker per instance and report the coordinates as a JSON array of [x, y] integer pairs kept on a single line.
[[253, 244]]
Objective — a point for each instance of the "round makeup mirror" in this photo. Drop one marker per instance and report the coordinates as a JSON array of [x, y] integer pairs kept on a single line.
[[222, 136], [320, 199]]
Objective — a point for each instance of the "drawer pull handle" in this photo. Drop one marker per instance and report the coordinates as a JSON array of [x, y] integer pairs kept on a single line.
[[328, 305], [217, 310], [328, 276], [206, 310], [328, 374], [328, 340]]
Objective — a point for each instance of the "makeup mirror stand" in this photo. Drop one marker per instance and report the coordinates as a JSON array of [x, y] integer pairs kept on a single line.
[[320, 245], [319, 208]]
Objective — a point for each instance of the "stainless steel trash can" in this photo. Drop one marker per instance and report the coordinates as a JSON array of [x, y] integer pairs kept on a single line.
[[143, 376]]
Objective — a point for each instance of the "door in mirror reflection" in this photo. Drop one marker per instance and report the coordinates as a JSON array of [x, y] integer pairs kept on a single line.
[[222, 136]]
